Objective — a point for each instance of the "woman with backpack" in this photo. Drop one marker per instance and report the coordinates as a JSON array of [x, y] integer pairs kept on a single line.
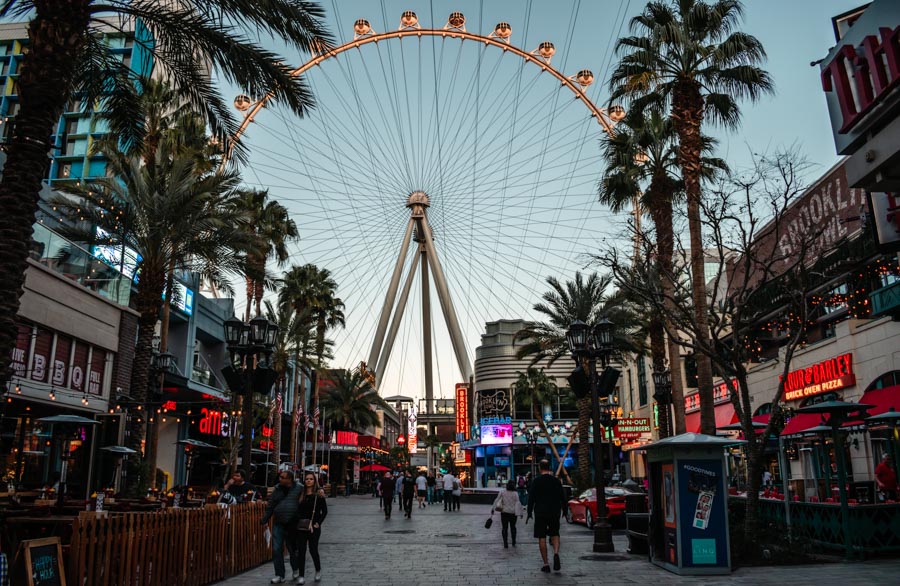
[[312, 511], [510, 508]]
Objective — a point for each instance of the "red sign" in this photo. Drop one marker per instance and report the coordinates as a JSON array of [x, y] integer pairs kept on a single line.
[[346, 438], [266, 445], [213, 422], [462, 410], [170, 406], [829, 375], [401, 440], [632, 428], [267, 431], [861, 76], [720, 395]]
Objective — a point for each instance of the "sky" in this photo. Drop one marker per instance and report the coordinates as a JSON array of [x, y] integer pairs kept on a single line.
[[509, 158]]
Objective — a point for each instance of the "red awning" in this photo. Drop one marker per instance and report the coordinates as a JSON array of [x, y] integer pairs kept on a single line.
[[799, 423], [725, 415], [692, 422], [882, 399]]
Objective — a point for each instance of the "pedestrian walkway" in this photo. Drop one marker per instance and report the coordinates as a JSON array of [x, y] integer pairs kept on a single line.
[[454, 549]]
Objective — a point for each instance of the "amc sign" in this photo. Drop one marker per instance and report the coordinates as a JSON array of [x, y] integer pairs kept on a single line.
[[214, 423], [829, 375]]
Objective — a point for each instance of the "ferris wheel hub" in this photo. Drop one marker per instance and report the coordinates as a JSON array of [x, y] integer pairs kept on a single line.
[[418, 199]]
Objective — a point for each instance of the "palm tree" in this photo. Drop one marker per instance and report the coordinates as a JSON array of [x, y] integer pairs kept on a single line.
[[270, 225], [176, 220], [689, 57], [643, 152], [67, 56], [540, 390], [350, 404], [585, 300]]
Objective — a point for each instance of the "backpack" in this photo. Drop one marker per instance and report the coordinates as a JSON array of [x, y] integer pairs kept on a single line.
[[521, 482]]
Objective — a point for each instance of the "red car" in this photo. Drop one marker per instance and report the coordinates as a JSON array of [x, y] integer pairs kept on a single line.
[[584, 508]]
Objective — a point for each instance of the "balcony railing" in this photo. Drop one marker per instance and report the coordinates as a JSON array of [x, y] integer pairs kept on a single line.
[[886, 299], [74, 262]]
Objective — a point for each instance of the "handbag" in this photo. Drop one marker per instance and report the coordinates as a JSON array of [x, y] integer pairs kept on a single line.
[[306, 525], [489, 522]]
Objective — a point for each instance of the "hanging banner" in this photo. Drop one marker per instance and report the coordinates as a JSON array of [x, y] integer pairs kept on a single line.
[[462, 411], [411, 430]]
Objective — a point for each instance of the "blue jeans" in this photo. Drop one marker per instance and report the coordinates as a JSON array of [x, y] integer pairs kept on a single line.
[[430, 495], [283, 535]]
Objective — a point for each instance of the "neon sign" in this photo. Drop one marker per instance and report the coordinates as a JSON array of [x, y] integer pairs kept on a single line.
[[462, 410], [828, 375], [214, 422]]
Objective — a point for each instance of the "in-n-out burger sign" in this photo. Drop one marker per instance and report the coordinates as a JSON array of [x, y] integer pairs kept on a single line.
[[829, 375]]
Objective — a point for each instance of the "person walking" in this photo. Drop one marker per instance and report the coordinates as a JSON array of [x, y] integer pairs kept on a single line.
[[387, 494], [448, 491], [409, 491], [510, 508], [283, 509], [398, 488], [421, 489], [311, 512], [430, 482], [547, 503], [457, 492], [439, 486]]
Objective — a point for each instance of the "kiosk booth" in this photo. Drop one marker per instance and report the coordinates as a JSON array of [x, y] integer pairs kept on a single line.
[[689, 504]]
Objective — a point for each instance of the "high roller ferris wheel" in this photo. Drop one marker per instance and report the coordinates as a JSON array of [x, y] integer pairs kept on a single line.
[[498, 167]]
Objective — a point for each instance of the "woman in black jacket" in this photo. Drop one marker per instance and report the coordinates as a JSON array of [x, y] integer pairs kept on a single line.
[[313, 508]]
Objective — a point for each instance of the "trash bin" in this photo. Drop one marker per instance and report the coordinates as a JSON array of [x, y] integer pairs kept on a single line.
[[637, 523], [688, 528]]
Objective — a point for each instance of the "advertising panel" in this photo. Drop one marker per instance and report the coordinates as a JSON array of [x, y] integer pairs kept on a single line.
[[462, 411], [496, 434], [828, 375], [703, 511]]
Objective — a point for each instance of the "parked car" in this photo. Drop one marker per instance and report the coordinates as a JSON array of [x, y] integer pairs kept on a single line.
[[584, 508]]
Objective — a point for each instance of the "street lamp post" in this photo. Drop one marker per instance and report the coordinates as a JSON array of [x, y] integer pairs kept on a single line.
[[531, 435], [160, 364], [587, 345], [252, 344]]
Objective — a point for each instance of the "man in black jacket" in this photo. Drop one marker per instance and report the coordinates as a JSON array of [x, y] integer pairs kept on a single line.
[[547, 502], [282, 508]]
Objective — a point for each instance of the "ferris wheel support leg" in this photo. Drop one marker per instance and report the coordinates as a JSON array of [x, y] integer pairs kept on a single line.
[[426, 333], [395, 326], [389, 300], [440, 282]]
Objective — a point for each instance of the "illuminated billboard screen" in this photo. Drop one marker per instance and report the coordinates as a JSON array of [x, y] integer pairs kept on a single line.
[[496, 433]]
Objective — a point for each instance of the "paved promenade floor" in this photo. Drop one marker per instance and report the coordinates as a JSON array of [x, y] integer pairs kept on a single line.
[[435, 548]]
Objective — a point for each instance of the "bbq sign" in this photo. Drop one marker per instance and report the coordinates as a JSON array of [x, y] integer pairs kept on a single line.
[[829, 375]]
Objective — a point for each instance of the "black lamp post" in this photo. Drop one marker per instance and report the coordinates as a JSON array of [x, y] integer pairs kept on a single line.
[[587, 345], [251, 346], [662, 384], [531, 435]]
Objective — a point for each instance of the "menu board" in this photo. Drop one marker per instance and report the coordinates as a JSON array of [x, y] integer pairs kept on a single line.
[[44, 562]]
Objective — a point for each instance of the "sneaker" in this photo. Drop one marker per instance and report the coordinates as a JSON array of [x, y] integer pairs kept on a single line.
[[556, 564], [302, 580], [545, 569], [297, 572], [318, 576], [277, 580]]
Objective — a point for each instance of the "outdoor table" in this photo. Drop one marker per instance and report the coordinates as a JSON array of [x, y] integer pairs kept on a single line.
[[17, 529]]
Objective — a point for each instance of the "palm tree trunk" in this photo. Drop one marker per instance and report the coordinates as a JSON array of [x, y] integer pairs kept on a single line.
[[56, 34], [277, 425], [297, 402], [148, 303], [258, 295], [153, 440], [666, 246], [687, 112], [250, 290], [658, 356]]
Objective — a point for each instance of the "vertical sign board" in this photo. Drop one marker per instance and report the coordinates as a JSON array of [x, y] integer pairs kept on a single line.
[[703, 513], [670, 516], [462, 411], [43, 562]]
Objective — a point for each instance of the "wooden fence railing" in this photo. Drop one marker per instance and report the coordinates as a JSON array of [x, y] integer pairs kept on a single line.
[[177, 547]]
